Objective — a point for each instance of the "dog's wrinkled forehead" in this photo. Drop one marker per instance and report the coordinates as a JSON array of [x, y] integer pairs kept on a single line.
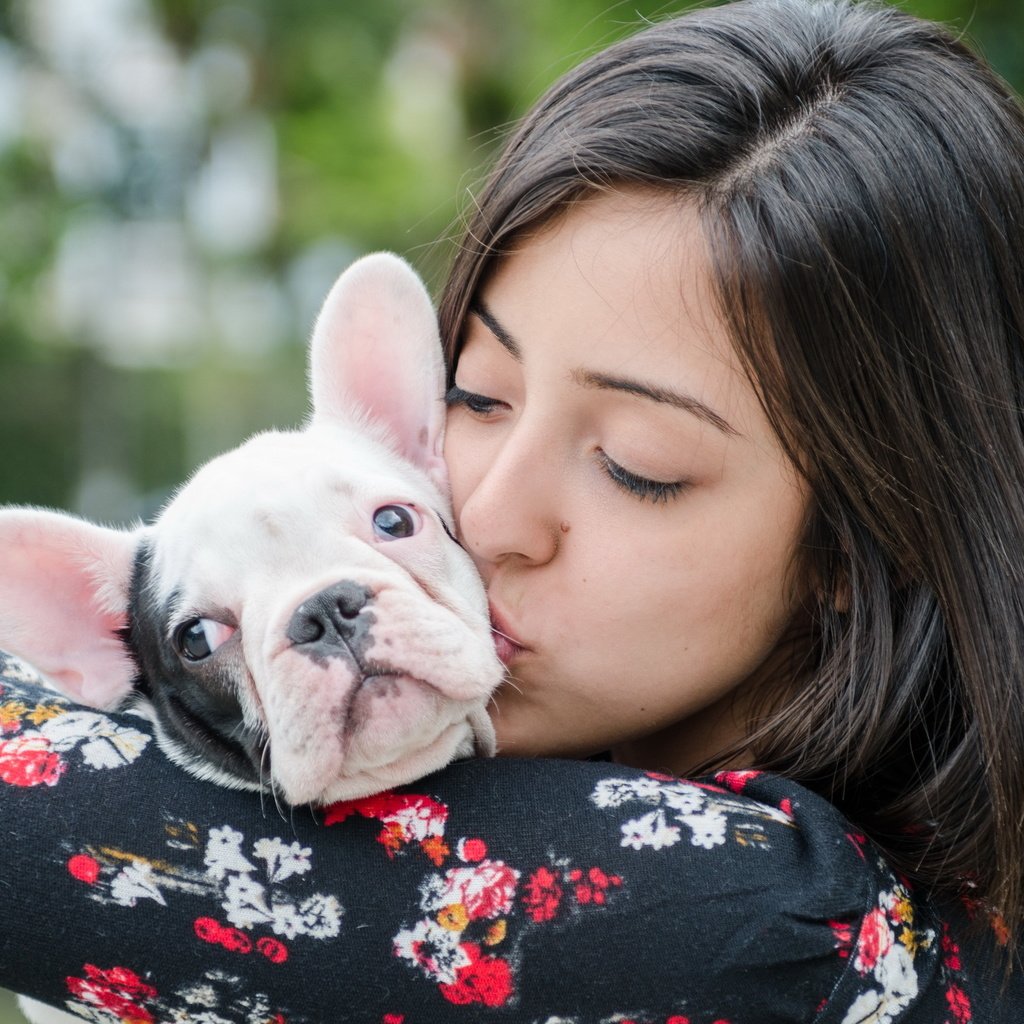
[[277, 507]]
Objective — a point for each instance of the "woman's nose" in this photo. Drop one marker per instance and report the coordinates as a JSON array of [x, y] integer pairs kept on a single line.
[[510, 508]]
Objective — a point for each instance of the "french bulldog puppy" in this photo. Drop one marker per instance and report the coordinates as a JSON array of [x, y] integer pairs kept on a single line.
[[299, 617]]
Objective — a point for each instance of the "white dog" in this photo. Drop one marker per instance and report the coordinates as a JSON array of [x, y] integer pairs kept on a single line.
[[300, 617]]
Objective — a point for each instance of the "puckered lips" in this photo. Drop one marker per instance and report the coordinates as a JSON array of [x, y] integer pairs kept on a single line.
[[507, 645]]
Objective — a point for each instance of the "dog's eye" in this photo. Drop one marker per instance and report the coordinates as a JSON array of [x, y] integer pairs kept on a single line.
[[199, 638], [395, 522]]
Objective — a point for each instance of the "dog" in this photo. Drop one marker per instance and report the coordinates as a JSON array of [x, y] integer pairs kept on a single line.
[[299, 618]]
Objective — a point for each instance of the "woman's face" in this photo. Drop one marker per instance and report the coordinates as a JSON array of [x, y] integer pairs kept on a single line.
[[620, 489]]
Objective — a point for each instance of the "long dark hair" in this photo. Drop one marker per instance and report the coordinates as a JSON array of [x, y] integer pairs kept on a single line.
[[860, 177]]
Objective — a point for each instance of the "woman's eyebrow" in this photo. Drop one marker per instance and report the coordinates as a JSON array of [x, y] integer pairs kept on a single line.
[[667, 396], [591, 379], [491, 322]]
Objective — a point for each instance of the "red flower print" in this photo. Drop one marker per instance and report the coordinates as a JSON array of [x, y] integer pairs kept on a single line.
[[486, 890], [471, 850], [874, 941], [950, 950], [592, 890], [29, 761], [486, 979], [843, 931], [405, 817], [235, 940], [393, 1018], [736, 781], [959, 1004], [84, 868], [210, 930], [117, 990], [542, 895], [276, 952], [206, 928]]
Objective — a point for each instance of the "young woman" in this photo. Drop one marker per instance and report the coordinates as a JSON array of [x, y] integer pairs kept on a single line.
[[735, 438]]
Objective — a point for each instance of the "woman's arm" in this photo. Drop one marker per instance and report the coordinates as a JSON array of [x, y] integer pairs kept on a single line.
[[504, 890]]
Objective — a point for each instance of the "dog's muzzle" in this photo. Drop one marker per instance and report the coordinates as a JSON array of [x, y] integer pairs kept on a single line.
[[335, 623]]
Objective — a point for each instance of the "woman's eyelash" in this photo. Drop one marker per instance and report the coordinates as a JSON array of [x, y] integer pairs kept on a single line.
[[475, 403], [643, 488]]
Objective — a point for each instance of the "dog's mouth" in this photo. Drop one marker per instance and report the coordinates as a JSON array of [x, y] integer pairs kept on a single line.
[[216, 742]]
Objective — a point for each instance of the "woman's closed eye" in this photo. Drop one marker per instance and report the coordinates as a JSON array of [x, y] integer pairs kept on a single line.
[[481, 405], [644, 488], [640, 486]]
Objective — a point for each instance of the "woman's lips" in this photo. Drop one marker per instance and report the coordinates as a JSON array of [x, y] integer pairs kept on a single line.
[[508, 647]]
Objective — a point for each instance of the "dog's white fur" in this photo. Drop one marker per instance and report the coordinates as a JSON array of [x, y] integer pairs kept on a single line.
[[258, 531]]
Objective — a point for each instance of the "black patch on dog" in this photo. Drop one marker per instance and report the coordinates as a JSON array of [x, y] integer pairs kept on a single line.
[[196, 704]]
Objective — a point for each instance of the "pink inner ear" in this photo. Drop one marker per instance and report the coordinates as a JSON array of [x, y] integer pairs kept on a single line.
[[398, 401], [376, 348], [58, 574]]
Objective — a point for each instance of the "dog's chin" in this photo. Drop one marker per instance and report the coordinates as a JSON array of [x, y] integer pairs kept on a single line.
[[467, 737], [456, 741]]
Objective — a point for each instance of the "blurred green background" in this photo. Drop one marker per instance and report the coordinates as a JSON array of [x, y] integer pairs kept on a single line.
[[181, 180]]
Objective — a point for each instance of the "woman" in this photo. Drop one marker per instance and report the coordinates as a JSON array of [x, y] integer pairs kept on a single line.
[[735, 439]]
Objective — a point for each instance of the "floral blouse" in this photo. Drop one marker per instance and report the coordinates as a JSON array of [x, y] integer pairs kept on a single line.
[[540, 891]]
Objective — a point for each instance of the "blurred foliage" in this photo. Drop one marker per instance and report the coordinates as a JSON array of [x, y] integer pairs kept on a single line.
[[159, 273]]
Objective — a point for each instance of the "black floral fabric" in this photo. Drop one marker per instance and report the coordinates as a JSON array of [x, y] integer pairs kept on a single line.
[[541, 891]]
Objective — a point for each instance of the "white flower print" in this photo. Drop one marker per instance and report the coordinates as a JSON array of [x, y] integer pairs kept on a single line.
[[704, 810], [708, 828], [282, 861], [245, 902], [200, 995], [224, 853], [103, 743], [651, 830], [199, 1002], [434, 893], [136, 882], [251, 903], [435, 949], [616, 792], [286, 920], [682, 798], [897, 975], [882, 955], [321, 916]]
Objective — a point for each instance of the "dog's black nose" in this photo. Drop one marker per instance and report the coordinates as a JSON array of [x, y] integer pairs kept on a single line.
[[333, 621]]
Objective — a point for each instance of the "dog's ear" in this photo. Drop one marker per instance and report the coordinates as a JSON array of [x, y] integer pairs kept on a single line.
[[375, 348], [63, 597]]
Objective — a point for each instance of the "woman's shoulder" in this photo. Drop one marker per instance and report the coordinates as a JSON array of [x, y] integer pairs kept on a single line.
[[530, 890], [755, 881]]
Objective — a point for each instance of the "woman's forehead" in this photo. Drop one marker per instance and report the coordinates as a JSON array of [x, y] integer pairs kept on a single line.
[[619, 287]]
